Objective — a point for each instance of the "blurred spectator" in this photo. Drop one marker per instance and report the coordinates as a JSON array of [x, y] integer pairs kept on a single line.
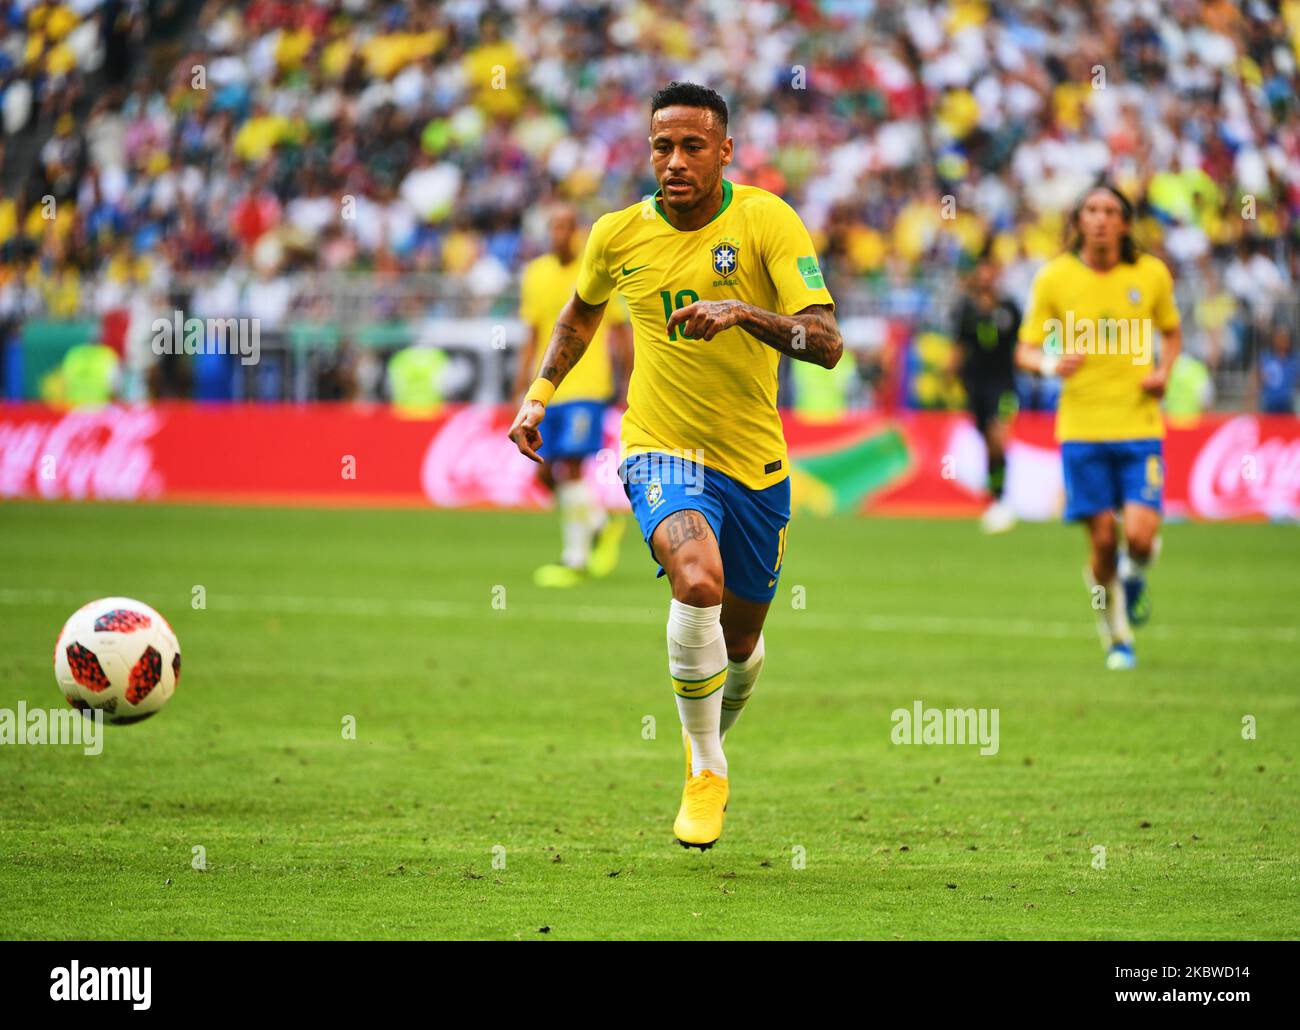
[[90, 375], [1258, 284], [1190, 390], [415, 381], [1278, 374], [337, 374], [1212, 313]]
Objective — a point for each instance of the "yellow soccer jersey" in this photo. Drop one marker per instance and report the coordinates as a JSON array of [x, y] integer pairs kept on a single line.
[[712, 401], [545, 288], [1112, 318]]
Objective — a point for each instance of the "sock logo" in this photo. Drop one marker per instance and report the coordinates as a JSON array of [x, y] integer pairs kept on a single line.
[[699, 688]]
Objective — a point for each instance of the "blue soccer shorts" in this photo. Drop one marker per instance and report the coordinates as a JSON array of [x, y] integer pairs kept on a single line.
[[749, 525], [571, 429], [1108, 475]]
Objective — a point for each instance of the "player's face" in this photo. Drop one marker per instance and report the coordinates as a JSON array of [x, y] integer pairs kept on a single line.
[[1101, 219], [563, 224], [689, 151]]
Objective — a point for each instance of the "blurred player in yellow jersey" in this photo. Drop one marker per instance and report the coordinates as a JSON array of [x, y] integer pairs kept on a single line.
[[1093, 316], [720, 280], [573, 429]]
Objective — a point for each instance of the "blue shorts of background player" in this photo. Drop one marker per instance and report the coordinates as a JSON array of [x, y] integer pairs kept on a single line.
[[571, 429], [749, 525], [1106, 476]]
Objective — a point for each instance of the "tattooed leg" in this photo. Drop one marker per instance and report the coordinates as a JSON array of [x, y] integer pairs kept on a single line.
[[684, 545], [697, 651]]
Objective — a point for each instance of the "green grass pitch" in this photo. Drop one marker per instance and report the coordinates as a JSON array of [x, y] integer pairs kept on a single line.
[[516, 733]]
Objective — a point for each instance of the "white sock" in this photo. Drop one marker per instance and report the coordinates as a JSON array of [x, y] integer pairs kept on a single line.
[[573, 497], [1131, 565], [741, 677], [697, 663], [1117, 612], [597, 516], [1112, 617]]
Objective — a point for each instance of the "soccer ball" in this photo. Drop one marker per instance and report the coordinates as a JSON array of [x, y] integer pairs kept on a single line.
[[119, 656]]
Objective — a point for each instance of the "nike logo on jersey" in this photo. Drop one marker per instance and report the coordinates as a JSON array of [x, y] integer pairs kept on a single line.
[[629, 271]]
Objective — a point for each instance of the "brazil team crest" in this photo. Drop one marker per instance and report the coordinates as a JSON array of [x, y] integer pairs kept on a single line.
[[654, 494], [726, 258]]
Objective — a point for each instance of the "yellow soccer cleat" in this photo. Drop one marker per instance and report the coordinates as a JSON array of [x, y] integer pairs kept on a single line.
[[560, 576], [604, 552], [704, 805]]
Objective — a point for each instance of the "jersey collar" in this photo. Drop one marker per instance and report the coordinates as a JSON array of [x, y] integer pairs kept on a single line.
[[1087, 267], [726, 202]]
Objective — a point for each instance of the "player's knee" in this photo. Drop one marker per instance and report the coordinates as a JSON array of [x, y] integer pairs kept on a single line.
[[741, 645], [1140, 540], [698, 583], [1103, 536], [1105, 552]]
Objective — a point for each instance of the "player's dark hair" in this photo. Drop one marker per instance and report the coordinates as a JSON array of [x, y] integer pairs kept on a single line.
[[690, 94], [1128, 252]]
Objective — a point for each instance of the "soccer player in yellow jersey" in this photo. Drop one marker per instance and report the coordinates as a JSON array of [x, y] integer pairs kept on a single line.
[[720, 280], [1092, 317], [575, 418]]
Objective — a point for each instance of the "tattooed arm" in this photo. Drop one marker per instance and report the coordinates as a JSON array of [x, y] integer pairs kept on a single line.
[[811, 335], [573, 331]]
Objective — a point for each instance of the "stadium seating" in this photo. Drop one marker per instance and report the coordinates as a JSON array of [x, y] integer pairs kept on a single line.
[[420, 142]]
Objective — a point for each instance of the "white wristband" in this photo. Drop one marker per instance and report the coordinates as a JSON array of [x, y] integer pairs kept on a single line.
[[1047, 365]]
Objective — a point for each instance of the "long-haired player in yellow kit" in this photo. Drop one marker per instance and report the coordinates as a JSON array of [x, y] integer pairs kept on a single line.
[[720, 280], [1092, 319], [575, 419]]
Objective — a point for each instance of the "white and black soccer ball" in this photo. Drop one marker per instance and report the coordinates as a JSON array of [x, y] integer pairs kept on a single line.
[[119, 656]]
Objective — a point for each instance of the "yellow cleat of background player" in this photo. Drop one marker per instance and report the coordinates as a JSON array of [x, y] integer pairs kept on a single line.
[[604, 552], [704, 805], [558, 576]]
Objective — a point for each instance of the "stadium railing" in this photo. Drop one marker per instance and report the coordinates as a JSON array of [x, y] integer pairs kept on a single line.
[[380, 314]]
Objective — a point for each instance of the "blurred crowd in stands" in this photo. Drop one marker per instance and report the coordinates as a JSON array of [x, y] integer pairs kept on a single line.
[[211, 160]]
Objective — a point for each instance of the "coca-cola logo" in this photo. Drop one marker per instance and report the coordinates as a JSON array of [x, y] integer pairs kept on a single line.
[[1236, 473], [470, 462], [105, 454]]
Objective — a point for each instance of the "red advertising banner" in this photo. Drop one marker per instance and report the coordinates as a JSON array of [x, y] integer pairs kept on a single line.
[[1223, 466]]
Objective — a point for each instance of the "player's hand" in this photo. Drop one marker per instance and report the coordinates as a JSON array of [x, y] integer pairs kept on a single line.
[[1155, 383], [1069, 364], [524, 429], [704, 319]]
